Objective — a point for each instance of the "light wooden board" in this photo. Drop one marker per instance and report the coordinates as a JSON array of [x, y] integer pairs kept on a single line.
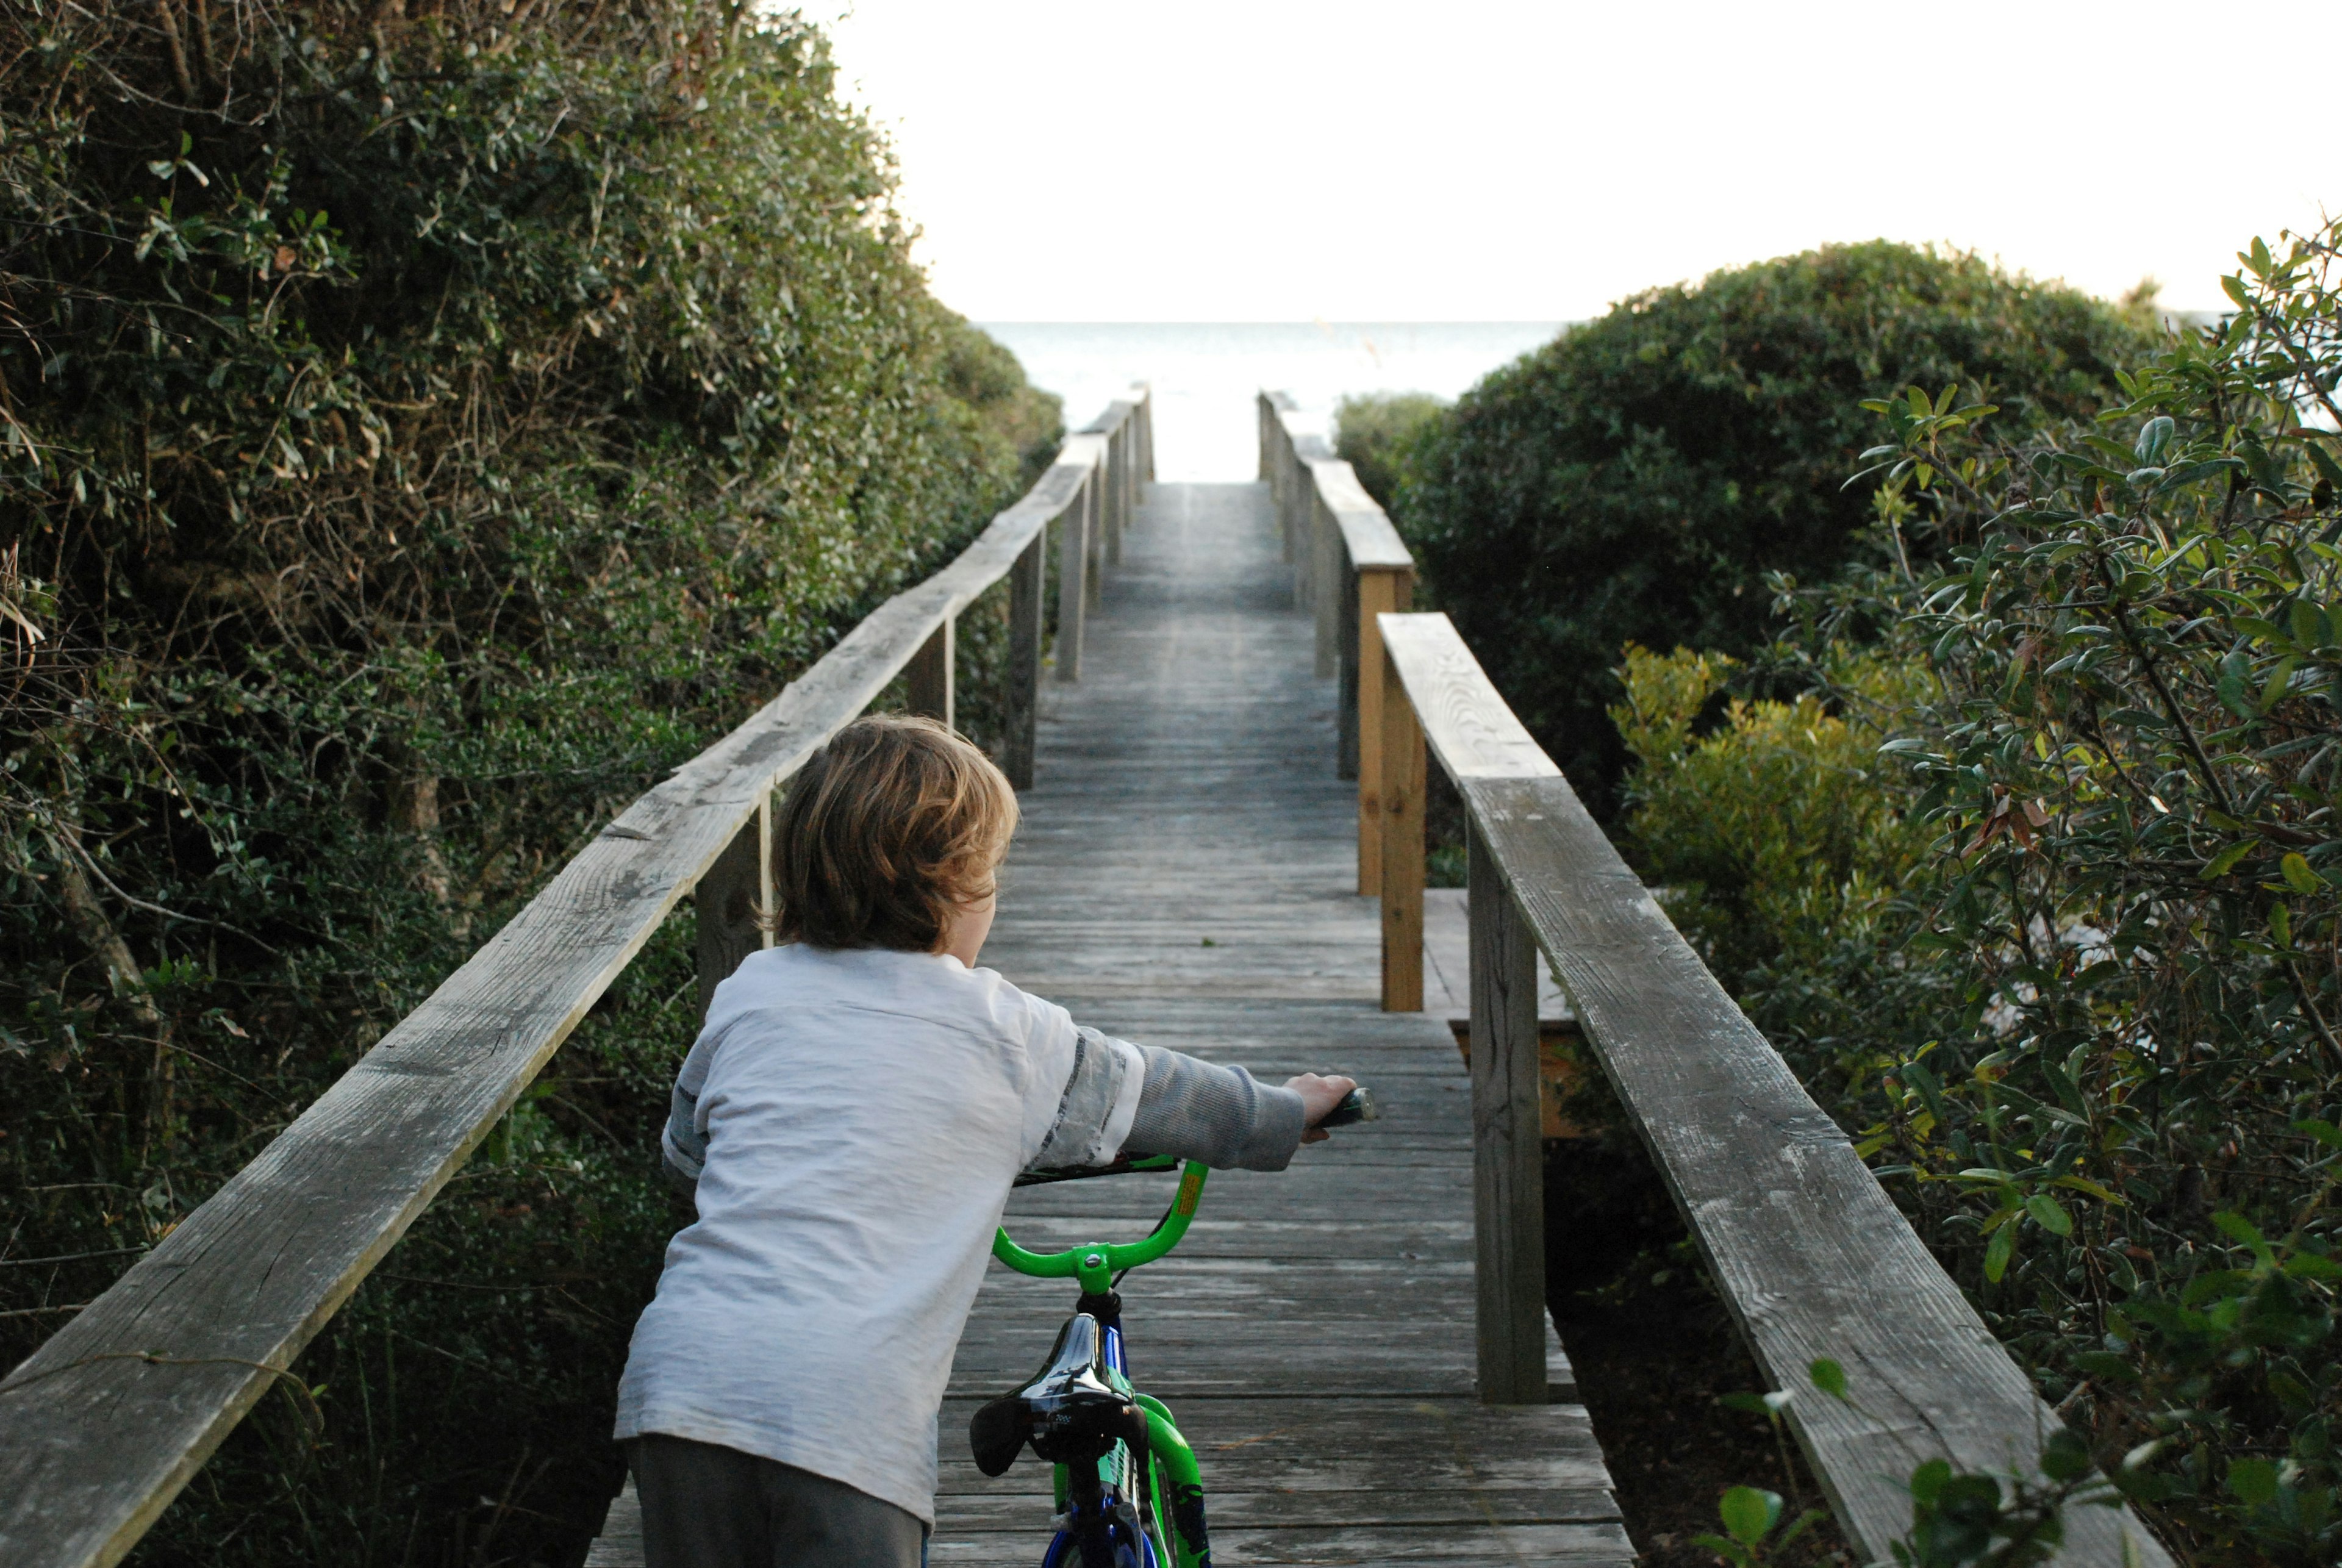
[[1367, 537], [1465, 723], [1314, 1334]]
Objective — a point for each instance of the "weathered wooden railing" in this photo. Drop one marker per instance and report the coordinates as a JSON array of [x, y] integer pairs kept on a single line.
[[101, 1427], [1810, 1253], [1349, 566]]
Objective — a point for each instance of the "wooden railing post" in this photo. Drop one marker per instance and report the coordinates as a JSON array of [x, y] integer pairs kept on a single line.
[[728, 899], [1346, 699], [1298, 507], [1134, 469], [1378, 591], [930, 672], [1094, 527], [1117, 498], [1288, 467], [1073, 582], [1301, 547], [1028, 584], [1507, 1141], [1402, 852], [1329, 567]]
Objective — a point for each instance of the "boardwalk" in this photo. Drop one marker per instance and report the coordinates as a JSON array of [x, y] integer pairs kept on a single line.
[[1184, 876]]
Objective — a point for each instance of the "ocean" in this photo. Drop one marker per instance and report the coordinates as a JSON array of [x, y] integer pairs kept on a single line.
[[1205, 376]]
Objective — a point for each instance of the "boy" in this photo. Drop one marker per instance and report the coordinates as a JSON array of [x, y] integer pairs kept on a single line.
[[852, 1116]]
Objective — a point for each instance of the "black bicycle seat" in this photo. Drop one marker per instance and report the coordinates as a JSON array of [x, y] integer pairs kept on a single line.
[[1069, 1411]]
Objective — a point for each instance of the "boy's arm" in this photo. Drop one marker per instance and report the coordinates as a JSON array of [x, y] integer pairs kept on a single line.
[[1094, 1110], [1220, 1115], [683, 1147], [682, 1141], [1144, 1098]]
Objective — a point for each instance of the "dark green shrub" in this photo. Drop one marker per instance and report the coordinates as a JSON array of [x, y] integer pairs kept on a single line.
[[2066, 957], [1378, 432], [1633, 480], [421, 426]]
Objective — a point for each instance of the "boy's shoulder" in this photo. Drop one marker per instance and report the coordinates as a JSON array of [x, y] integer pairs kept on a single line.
[[796, 975]]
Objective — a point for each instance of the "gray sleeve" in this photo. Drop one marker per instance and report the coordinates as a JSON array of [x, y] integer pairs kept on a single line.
[[683, 1147], [1219, 1115], [682, 1141]]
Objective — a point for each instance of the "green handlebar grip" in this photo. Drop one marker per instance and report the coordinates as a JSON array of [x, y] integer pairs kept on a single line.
[[1096, 1264]]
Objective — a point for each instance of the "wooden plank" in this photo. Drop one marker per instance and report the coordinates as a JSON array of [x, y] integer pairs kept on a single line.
[[1345, 698], [1094, 497], [1492, 1546], [620, 1543], [1403, 780], [1073, 584], [1380, 593], [730, 898], [1507, 1141], [1120, 472], [1117, 414], [929, 674], [1027, 629], [1470, 730], [101, 1427], [1334, 584], [1281, 1509], [1367, 537]]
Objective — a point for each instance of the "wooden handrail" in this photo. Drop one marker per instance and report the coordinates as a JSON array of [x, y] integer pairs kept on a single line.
[[1349, 567], [1810, 1254], [101, 1427]]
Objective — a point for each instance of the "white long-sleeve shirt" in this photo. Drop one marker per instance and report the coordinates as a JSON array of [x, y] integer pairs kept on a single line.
[[855, 1120]]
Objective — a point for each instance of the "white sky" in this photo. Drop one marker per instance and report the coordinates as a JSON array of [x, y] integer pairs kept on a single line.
[[1285, 160]]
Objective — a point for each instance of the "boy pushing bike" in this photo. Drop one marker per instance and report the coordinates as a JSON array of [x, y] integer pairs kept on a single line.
[[852, 1118]]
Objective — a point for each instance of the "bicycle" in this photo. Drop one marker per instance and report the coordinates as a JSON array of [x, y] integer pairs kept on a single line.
[[1129, 1494]]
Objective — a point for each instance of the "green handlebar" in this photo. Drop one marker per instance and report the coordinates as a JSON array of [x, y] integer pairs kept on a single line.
[[1096, 1265]]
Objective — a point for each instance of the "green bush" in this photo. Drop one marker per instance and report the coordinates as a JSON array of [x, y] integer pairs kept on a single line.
[[1633, 480], [1378, 434], [1779, 834], [2088, 1034], [421, 427]]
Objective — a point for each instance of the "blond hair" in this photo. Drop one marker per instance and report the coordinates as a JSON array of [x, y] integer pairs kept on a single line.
[[886, 829]]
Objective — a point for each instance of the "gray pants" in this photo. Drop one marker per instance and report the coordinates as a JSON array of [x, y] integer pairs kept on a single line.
[[707, 1507]]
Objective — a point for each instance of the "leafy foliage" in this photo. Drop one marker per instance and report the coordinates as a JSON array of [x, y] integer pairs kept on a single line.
[[2088, 1036], [1777, 835], [1633, 480], [421, 426], [1378, 434]]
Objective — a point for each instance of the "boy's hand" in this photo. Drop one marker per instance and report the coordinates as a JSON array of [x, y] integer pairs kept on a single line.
[[1319, 1095]]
